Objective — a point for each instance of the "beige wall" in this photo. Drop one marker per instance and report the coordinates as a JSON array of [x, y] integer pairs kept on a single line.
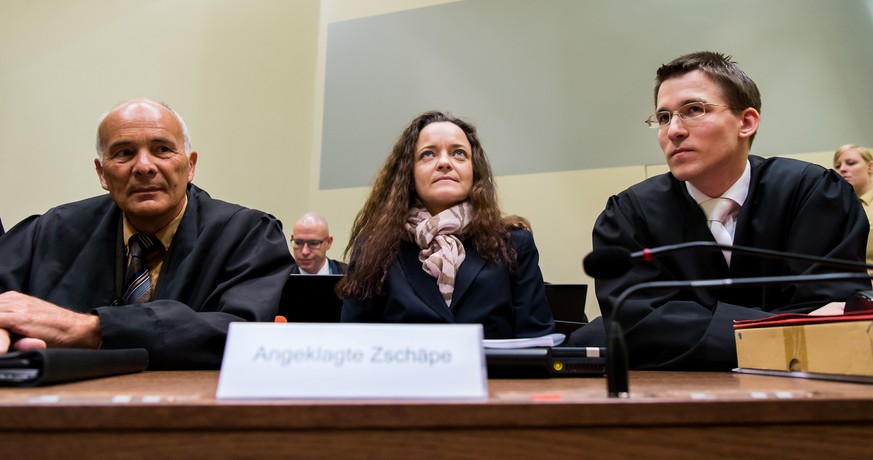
[[247, 75], [241, 73]]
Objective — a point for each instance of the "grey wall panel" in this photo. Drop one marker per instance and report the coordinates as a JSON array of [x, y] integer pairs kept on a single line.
[[566, 84]]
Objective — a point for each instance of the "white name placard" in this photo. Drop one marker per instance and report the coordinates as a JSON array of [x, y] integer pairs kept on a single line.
[[313, 360]]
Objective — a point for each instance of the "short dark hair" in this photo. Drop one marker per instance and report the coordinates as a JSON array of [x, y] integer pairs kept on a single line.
[[738, 88]]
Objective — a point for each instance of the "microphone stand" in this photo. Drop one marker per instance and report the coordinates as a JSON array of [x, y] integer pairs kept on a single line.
[[649, 254], [617, 384]]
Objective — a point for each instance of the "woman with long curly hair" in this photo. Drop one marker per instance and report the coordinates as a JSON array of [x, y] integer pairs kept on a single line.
[[431, 245]]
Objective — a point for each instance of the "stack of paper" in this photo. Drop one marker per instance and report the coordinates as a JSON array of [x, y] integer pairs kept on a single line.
[[550, 340]]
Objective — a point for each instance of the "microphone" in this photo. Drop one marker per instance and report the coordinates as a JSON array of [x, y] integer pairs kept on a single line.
[[616, 349], [613, 261]]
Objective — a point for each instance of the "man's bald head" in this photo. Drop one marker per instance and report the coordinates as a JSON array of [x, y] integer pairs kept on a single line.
[[311, 240], [142, 104]]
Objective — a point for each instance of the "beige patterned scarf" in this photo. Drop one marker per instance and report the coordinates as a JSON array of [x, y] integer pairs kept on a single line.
[[438, 237]]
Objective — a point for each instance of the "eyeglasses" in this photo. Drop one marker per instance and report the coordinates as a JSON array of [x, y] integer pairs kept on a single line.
[[313, 244], [687, 112]]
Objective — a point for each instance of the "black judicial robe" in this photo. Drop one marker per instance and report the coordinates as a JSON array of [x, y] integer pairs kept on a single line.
[[226, 263], [792, 206], [508, 305]]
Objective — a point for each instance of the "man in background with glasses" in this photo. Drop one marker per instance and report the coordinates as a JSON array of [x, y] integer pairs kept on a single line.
[[310, 242], [706, 116]]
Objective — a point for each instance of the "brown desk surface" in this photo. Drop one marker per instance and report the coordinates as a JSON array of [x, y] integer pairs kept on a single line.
[[670, 414]]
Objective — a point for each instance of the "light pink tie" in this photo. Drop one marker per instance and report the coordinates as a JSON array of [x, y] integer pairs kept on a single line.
[[717, 211]]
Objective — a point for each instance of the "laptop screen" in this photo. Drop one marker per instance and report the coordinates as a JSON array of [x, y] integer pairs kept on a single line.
[[567, 301], [311, 299]]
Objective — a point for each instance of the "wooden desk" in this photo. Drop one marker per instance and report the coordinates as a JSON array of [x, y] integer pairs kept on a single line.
[[671, 415]]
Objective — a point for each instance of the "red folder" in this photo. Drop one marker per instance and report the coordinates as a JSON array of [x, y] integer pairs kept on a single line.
[[796, 319]]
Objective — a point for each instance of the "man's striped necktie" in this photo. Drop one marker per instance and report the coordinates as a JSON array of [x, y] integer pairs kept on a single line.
[[143, 248]]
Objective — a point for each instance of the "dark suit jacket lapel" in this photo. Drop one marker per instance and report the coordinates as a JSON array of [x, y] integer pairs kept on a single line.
[[742, 229], [473, 264], [180, 248], [423, 284]]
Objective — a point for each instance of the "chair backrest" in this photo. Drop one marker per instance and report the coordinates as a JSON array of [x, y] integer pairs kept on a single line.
[[567, 302]]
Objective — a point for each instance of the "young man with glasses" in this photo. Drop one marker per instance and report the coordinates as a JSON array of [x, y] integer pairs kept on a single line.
[[707, 112], [310, 242]]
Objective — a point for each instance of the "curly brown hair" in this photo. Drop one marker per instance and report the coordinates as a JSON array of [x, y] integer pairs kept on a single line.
[[378, 229]]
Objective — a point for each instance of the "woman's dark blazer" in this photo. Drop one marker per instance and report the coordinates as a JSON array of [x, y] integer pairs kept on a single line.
[[508, 304]]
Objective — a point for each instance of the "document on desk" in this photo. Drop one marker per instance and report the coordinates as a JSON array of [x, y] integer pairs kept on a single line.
[[320, 360], [549, 340]]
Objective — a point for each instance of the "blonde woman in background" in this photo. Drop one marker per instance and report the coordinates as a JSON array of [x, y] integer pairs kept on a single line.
[[855, 164]]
